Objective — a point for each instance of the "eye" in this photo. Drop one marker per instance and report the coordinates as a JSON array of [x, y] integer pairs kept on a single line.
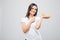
[[33, 8]]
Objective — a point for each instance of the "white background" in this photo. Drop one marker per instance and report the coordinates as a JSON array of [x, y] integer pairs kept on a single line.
[[12, 10]]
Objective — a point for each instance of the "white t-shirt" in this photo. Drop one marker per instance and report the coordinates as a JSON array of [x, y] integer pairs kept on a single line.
[[33, 33]]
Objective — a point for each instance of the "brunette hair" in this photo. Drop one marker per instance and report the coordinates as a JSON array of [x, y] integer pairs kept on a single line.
[[29, 8]]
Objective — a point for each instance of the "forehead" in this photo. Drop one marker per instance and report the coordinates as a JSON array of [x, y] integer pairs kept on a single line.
[[34, 7]]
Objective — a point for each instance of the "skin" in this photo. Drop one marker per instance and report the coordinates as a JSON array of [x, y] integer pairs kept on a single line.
[[26, 27]]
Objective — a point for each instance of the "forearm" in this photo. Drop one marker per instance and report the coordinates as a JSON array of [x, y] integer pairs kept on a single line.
[[27, 27], [38, 24]]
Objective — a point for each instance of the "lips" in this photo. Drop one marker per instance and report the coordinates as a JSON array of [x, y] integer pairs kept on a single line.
[[33, 11]]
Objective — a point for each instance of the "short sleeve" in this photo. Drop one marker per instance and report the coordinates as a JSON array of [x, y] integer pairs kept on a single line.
[[23, 20]]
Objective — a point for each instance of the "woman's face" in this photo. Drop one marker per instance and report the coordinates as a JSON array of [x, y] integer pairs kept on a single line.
[[33, 10]]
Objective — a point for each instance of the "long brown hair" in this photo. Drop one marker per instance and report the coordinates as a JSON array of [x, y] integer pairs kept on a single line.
[[29, 9]]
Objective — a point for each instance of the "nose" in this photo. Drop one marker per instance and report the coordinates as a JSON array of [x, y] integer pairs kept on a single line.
[[34, 10]]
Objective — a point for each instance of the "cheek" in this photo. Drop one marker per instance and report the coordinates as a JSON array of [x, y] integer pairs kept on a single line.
[[34, 11], [30, 12]]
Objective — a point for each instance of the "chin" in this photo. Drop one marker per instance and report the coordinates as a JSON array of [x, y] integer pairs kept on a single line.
[[32, 14]]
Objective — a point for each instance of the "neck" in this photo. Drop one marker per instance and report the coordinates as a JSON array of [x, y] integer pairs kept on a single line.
[[30, 16]]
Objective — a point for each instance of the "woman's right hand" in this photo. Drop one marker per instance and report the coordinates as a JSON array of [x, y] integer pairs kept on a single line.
[[32, 19]]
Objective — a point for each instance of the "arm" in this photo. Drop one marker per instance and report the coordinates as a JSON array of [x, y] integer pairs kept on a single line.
[[38, 23], [26, 27]]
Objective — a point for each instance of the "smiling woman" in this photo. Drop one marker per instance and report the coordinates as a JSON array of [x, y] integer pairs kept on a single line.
[[31, 23]]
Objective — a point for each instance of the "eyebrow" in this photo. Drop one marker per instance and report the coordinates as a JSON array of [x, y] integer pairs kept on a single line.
[[33, 8]]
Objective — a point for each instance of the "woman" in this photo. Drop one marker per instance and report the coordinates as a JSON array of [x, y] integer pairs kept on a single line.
[[31, 23]]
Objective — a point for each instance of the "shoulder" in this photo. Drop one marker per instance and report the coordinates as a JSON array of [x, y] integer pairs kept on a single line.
[[24, 19]]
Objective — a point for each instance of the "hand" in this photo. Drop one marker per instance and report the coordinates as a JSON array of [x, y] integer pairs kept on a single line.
[[32, 19]]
